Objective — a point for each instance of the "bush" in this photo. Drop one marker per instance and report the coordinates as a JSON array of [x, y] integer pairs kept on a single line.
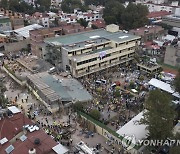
[[99, 90], [131, 85], [117, 88], [95, 114], [141, 78], [117, 93], [78, 106]]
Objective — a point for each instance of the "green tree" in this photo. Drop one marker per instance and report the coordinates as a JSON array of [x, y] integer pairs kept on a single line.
[[43, 4], [68, 6], [4, 4], [78, 106], [177, 82], [134, 16], [159, 115], [112, 12], [94, 26], [175, 149], [83, 22], [3, 100], [95, 114]]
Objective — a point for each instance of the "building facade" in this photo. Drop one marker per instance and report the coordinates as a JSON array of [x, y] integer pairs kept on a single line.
[[5, 24], [93, 51], [148, 33], [37, 37], [172, 55], [172, 20]]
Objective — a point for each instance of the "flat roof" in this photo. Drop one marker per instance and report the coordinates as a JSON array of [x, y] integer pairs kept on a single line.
[[90, 35], [134, 129], [11, 126], [24, 31], [65, 89], [80, 57], [161, 85], [14, 109], [60, 149]]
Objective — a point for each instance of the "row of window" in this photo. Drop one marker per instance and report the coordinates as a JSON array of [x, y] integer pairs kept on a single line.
[[100, 64], [94, 59], [74, 52]]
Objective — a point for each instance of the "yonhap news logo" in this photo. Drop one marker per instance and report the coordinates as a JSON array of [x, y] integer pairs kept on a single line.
[[129, 142]]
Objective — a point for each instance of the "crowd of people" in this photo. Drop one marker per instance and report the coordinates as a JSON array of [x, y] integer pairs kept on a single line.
[[118, 109]]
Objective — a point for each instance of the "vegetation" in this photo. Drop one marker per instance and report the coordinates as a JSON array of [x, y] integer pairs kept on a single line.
[[95, 114], [159, 116], [165, 26], [23, 7], [175, 149], [78, 106], [102, 2], [3, 100], [177, 82], [83, 22], [133, 16], [94, 26], [68, 6]]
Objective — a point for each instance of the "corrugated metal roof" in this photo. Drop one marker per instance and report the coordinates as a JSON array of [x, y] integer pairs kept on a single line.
[[25, 30]]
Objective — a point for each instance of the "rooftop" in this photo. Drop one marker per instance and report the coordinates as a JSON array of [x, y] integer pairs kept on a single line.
[[11, 126], [34, 64], [86, 44], [147, 29], [158, 14], [134, 129], [25, 30], [67, 89], [90, 35], [80, 57]]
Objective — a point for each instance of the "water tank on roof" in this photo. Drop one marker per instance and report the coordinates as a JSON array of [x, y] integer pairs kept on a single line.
[[32, 151], [37, 141]]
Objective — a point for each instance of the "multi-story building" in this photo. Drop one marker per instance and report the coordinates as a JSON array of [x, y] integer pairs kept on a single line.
[[17, 23], [5, 23], [156, 17], [37, 37], [73, 28], [159, 5], [148, 33], [173, 20], [172, 55], [89, 52], [77, 15]]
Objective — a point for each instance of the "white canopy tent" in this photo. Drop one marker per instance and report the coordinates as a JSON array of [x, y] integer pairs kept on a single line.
[[60, 149], [133, 128], [24, 31], [14, 109], [161, 85], [1, 54]]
